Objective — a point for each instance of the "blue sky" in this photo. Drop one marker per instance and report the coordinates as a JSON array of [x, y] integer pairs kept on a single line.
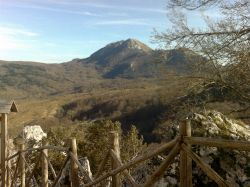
[[54, 31]]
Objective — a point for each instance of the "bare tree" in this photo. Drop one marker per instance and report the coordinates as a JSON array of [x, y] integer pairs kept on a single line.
[[225, 42]]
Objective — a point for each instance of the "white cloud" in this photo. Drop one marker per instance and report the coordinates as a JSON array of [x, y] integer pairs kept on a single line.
[[52, 9], [135, 22], [116, 7], [16, 31], [46, 5], [10, 38], [110, 6]]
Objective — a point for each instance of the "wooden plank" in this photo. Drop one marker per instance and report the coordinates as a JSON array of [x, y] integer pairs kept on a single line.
[[55, 148], [21, 145], [29, 168], [135, 161], [205, 167], [4, 150], [126, 173], [185, 161], [15, 173], [50, 165], [213, 142], [45, 167], [74, 167], [5, 109], [7, 106], [8, 174], [116, 181], [160, 171], [102, 165]]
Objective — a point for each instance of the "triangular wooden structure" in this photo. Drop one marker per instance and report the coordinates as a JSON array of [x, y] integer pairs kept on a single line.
[[7, 106]]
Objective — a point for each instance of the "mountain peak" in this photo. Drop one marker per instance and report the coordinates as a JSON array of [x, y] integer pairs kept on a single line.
[[130, 44], [120, 50], [136, 44]]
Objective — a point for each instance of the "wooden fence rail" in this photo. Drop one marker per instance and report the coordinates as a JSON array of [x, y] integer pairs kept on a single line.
[[24, 174]]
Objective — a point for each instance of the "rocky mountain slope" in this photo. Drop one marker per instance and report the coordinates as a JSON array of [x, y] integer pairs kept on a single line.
[[129, 58], [132, 58], [232, 165], [123, 59]]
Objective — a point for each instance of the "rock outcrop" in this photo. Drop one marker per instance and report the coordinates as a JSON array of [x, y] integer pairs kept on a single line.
[[33, 133], [65, 178], [232, 165]]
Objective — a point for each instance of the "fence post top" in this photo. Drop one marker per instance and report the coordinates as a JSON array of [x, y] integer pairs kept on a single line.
[[113, 133], [19, 141], [185, 128], [69, 140]]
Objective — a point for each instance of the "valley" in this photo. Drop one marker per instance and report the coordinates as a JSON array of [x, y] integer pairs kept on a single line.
[[123, 81], [125, 93]]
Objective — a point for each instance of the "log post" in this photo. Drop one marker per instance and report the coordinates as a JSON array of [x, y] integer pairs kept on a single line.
[[8, 183], [8, 174], [185, 161], [74, 166], [116, 182], [21, 145], [45, 167], [4, 136]]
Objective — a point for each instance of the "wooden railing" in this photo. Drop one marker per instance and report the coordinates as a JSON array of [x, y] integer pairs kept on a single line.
[[119, 172], [25, 172]]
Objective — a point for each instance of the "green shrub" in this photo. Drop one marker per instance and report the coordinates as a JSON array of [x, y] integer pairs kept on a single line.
[[93, 141]]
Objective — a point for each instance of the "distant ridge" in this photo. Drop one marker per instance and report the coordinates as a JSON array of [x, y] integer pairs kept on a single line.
[[128, 59], [124, 58]]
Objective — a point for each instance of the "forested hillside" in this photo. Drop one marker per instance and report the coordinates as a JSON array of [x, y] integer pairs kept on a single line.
[[125, 81]]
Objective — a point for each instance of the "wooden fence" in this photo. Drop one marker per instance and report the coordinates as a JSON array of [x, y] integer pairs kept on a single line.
[[181, 145]]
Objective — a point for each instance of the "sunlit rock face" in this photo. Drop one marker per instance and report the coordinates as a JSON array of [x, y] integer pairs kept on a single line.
[[85, 164], [66, 178], [215, 124], [33, 133], [232, 165], [32, 136]]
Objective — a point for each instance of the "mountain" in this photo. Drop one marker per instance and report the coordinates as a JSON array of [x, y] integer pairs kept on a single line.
[[118, 52], [125, 81], [127, 58], [132, 59], [123, 59]]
